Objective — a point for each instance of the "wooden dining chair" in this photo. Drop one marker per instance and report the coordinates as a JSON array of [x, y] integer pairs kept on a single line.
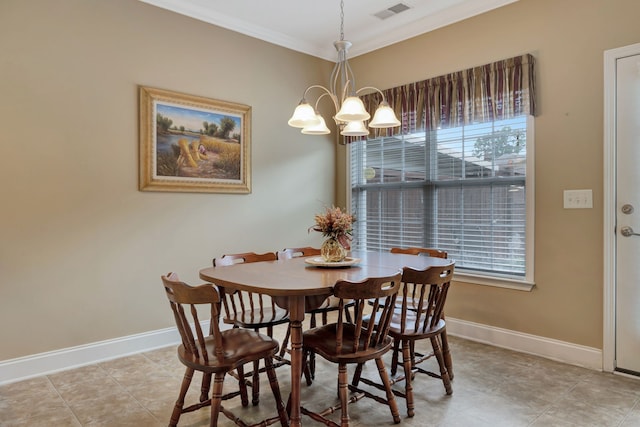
[[308, 251], [247, 309], [418, 316], [216, 353], [436, 253], [328, 305], [251, 310], [354, 342]]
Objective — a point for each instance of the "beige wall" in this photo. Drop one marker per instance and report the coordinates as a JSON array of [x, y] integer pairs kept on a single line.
[[568, 38], [82, 250]]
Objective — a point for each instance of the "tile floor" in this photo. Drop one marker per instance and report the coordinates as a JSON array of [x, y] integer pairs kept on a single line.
[[492, 387]]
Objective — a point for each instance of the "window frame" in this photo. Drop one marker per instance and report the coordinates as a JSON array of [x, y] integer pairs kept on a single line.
[[524, 283]]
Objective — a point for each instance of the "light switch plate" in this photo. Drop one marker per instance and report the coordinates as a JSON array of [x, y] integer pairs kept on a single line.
[[578, 199]]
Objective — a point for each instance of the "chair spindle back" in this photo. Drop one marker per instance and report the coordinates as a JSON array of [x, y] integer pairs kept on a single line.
[[366, 334], [423, 297], [247, 307], [184, 300]]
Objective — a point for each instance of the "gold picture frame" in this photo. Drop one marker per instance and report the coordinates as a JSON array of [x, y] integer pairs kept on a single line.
[[191, 143]]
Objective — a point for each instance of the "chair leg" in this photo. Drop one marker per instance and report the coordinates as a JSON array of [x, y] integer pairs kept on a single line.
[[394, 357], [255, 383], [288, 407], [357, 374], [413, 353], [177, 409], [275, 388], [437, 350], [343, 390], [242, 385], [312, 321], [391, 400], [216, 398], [447, 354], [285, 341], [312, 356], [407, 361], [206, 385], [306, 369], [312, 366]]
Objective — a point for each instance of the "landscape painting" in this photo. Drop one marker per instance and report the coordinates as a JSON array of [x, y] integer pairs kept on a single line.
[[192, 143]]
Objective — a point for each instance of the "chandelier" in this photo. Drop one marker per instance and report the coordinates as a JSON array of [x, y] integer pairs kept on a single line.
[[350, 114]]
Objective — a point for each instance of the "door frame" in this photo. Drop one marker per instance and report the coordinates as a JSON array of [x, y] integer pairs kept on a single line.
[[609, 208]]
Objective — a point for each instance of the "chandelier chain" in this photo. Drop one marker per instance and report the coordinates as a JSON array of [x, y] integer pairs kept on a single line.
[[341, 20]]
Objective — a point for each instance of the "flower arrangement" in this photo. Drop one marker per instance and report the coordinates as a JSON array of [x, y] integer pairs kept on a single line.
[[335, 224]]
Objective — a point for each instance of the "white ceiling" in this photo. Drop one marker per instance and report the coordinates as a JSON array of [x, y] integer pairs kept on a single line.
[[311, 26]]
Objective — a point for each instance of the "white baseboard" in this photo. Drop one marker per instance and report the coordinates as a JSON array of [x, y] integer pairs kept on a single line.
[[73, 357], [35, 365], [573, 354]]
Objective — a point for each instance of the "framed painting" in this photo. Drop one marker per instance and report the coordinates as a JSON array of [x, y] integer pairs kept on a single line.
[[190, 143]]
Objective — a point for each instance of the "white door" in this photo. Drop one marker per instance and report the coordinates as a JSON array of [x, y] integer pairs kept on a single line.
[[627, 217]]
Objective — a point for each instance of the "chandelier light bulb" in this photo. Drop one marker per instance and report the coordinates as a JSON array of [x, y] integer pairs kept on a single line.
[[319, 129], [352, 109], [355, 128], [304, 115], [384, 117]]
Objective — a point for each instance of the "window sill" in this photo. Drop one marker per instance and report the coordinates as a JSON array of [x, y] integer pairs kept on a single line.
[[498, 282]]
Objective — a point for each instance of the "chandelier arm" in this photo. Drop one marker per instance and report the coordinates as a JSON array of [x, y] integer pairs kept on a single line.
[[384, 99], [333, 78], [334, 82], [350, 77], [320, 97], [345, 89], [327, 93]]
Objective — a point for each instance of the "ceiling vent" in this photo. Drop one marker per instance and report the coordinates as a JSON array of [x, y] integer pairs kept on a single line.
[[393, 10]]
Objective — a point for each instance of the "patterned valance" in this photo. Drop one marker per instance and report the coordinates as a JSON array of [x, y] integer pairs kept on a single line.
[[495, 91]]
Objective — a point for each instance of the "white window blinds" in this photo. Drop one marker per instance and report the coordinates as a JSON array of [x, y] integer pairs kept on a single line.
[[457, 183]]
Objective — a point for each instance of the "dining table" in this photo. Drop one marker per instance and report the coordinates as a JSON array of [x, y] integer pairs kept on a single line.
[[302, 284]]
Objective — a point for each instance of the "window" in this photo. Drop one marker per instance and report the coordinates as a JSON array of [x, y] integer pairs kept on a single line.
[[458, 184]]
